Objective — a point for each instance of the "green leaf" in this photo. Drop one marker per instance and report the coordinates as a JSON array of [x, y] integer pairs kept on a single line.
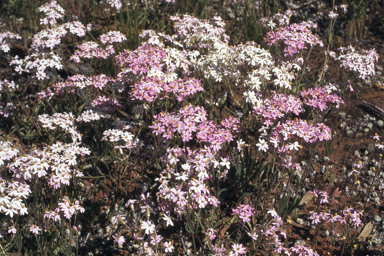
[[36, 110], [283, 204], [80, 109], [221, 191], [29, 135], [244, 195], [189, 229]]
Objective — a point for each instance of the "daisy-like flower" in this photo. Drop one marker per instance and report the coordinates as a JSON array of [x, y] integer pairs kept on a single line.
[[118, 239], [240, 145], [35, 229], [376, 137], [253, 235], [294, 146], [262, 145], [168, 220], [332, 15], [168, 247], [238, 249], [148, 226], [211, 233], [12, 229]]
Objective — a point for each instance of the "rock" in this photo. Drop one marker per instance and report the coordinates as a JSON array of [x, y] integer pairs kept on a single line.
[[365, 233], [299, 226], [358, 135], [370, 148], [306, 198], [349, 133], [73, 69], [230, 14]]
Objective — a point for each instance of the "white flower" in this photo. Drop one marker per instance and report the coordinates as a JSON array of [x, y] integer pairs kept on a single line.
[[271, 24], [168, 247], [294, 146], [225, 163], [168, 220], [273, 213], [148, 226], [262, 145]]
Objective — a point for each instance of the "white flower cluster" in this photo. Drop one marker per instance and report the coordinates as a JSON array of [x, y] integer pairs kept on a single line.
[[55, 163], [260, 60], [62, 120], [115, 3], [37, 62], [53, 11], [112, 37], [7, 152], [115, 135], [4, 46], [12, 191], [6, 110], [49, 38], [10, 198], [7, 85], [364, 63], [91, 115]]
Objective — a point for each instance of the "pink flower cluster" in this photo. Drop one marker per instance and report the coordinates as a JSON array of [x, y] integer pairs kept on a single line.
[[69, 209], [4, 46], [150, 88], [294, 37], [244, 211], [103, 103], [324, 196], [350, 216], [141, 60], [300, 249], [301, 128], [191, 119], [277, 107], [319, 97], [91, 50]]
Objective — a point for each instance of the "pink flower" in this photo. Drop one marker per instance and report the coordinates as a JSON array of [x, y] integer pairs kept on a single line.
[[119, 239], [34, 229], [12, 229], [244, 211], [238, 249], [211, 233]]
